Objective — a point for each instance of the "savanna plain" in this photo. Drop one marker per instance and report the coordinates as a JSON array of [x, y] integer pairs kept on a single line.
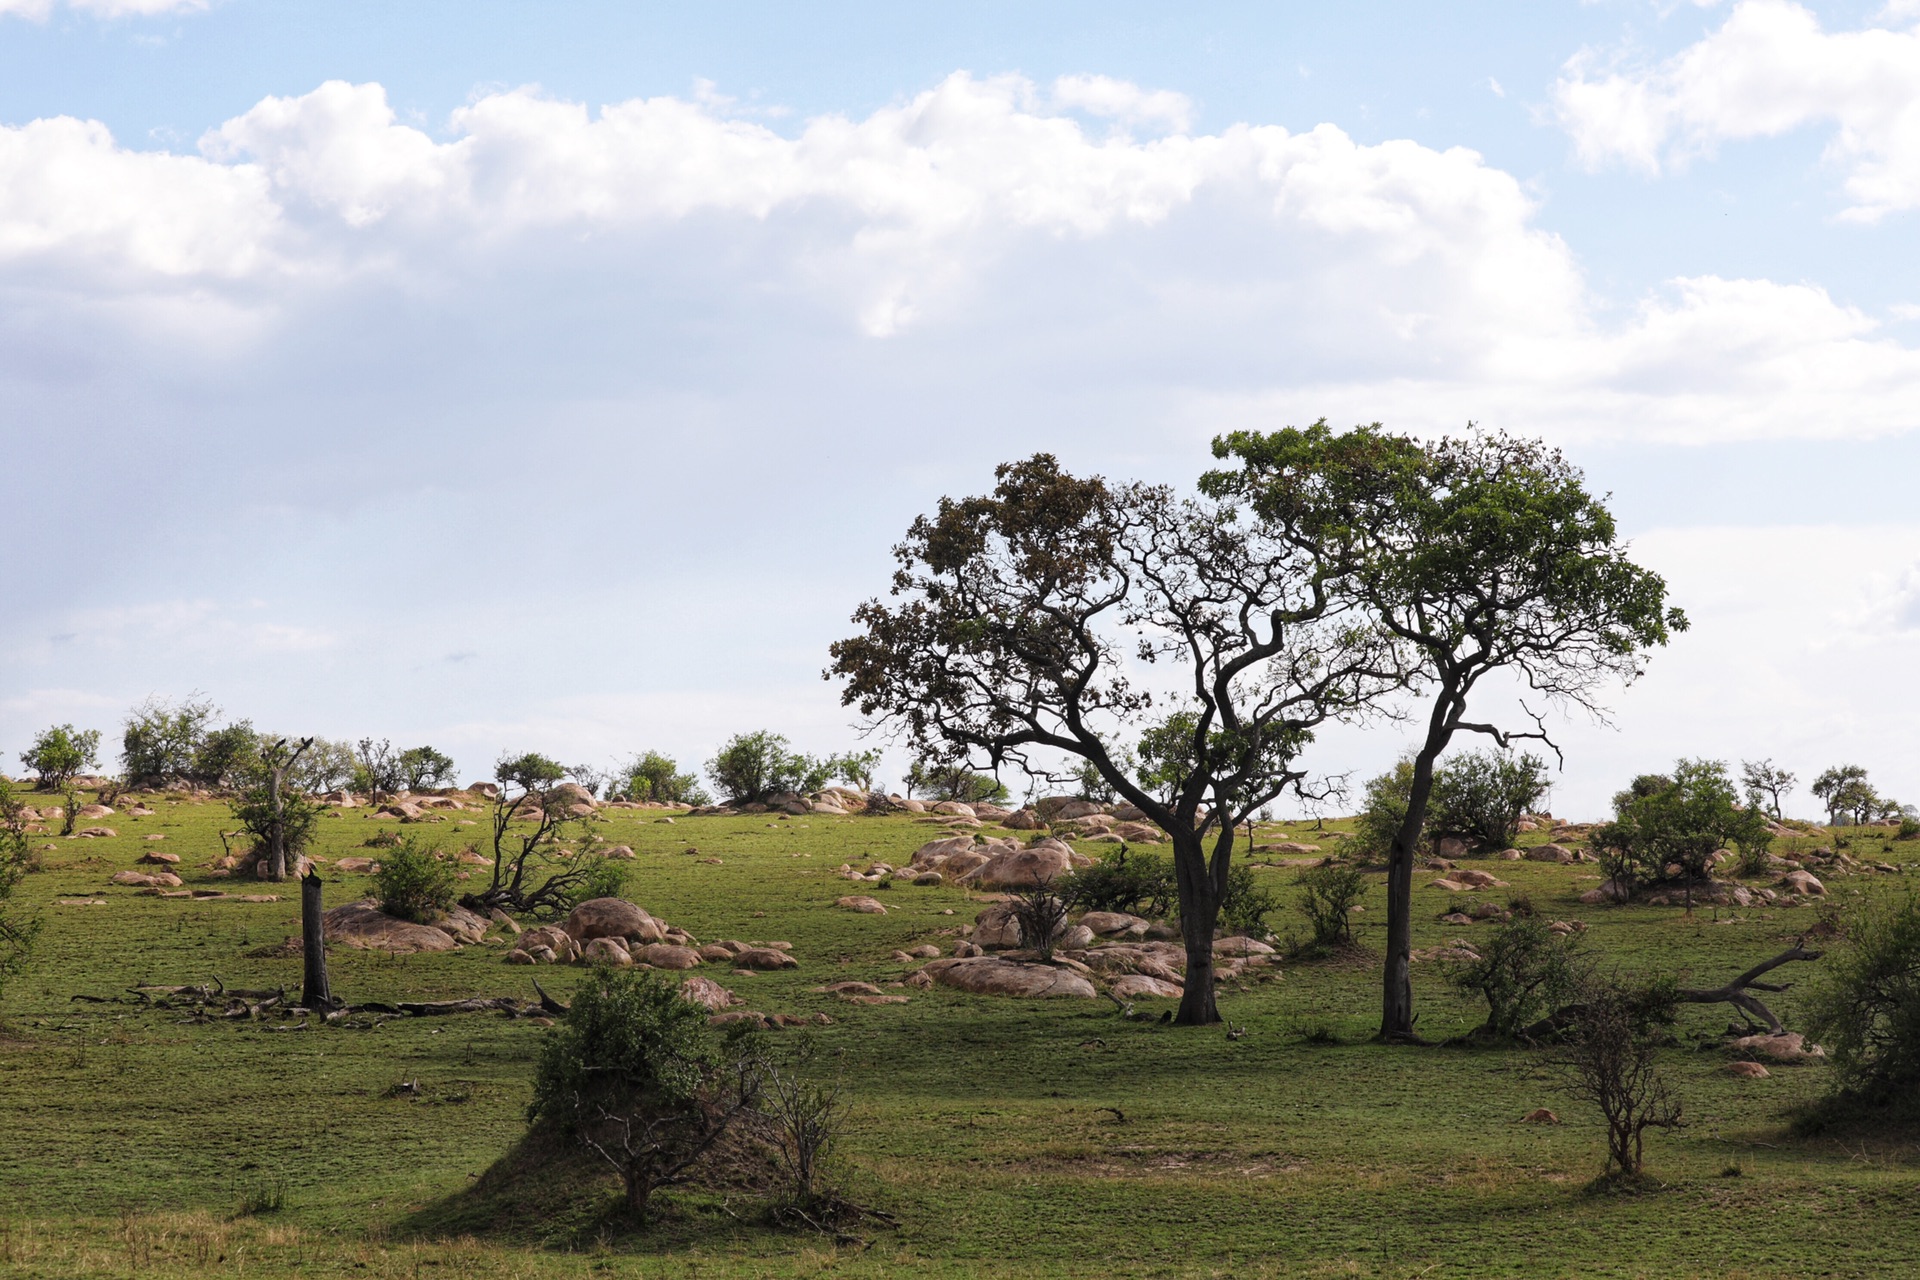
[[995, 1136]]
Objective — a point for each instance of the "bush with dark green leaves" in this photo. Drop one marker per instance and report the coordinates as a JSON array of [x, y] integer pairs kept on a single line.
[[651, 776], [1677, 821], [415, 882], [635, 1074], [61, 752], [1383, 809], [1866, 1006], [1480, 796], [1247, 904], [753, 766], [1524, 971], [1328, 896], [1130, 881]]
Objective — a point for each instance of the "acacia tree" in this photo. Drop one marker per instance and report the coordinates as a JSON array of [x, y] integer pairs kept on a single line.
[[61, 752], [280, 817], [531, 811], [1013, 618], [1845, 791], [1476, 555], [1765, 783]]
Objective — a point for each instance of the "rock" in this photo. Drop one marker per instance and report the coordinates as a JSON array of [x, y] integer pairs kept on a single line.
[[864, 905], [1456, 917], [96, 833], [1138, 986], [764, 959], [1294, 848], [1802, 882], [1041, 863], [1240, 947], [156, 858], [955, 808], [1451, 847], [505, 921], [559, 945], [1067, 808], [1448, 884], [1478, 879], [1747, 1070], [356, 866], [849, 989], [1114, 923], [1550, 853], [1610, 891], [741, 1015], [926, 951], [1076, 938], [624, 852], [612, 918], [155, 880], [706, 992], [1022, 820], [462, 925], [1540, 1115], [989, 975], [664, 955], [1788, 1047], [933, 855], [1511, 855], [1487, 911], [93, 811], [364, 926], [606, 951]]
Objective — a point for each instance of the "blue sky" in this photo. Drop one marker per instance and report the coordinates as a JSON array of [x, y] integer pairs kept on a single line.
[[556, 376]]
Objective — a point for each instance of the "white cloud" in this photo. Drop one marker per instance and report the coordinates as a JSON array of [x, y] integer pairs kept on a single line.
[[1123, 101], [41, 10], [1769, 69]]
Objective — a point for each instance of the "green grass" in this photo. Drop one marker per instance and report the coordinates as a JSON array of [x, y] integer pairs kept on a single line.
[[131, 1144]]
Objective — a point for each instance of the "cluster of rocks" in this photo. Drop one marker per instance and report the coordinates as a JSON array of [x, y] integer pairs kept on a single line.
[[617, 932]]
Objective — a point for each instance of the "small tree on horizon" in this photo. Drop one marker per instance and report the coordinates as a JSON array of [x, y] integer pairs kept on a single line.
[[59, 753], [1765, 783], [754, 766]]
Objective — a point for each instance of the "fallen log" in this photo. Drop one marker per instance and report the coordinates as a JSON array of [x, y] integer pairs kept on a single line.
[[1736, 992]]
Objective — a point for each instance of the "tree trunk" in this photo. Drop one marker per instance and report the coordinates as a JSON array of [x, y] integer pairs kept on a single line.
[[276, 836], [1199, 912], [1396, 982], [313, 944]]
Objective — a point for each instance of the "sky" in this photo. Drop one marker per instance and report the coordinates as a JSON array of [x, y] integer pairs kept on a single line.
[[509, 377]]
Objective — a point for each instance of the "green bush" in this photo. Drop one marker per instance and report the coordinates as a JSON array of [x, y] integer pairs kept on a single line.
[[414, 882], [1479, 796], [654, 777], [753, 766], [17, 929], [1525, 971], [60, 752], [1384, 809], [1678, 820], [636, 1075], [1136, 883], [1244, 909], [1327, 897], [604, 879], [1866, 1006]]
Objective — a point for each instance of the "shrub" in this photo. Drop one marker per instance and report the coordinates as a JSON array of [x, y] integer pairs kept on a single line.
[[1246, 906], [60, 752], [753, 766], [1385, 808], [1609, 1059], [424, 767], [1525, 970], [1137, 883], [604, 879], [1479, 796], [1681, 820], [1909, 828], [1040, 913], [943, 780], [17, 930], [1327, 897], [654, 777], [414, 882], [636, 1075], [160, 739], [1866, 1009], [806, 1117]]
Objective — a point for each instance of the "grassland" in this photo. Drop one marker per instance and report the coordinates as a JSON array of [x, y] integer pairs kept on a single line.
[[1010, 1139]]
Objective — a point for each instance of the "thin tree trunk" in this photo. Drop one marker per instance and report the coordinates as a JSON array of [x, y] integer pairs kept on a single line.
[[1199, 912], [317, 994], [1396, 982], [276, 838]]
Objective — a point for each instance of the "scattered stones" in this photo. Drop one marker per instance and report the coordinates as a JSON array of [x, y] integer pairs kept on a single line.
[[666, 955], [155, 880], [1551, 853], [1046, 861], [1802, 882], [557, 943], [606, 951], [357, 866], [612, 918], [1240, 947], [864, 905], [1114, 924], [764, 959], [96, 833], [158, 859]]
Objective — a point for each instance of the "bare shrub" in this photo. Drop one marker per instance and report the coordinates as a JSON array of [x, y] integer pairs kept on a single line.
[[1609, 1058], [1327, 898]]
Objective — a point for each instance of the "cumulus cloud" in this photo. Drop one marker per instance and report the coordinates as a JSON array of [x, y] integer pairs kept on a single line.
[[1332, 263], [1124, 101], [1769, 69]]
